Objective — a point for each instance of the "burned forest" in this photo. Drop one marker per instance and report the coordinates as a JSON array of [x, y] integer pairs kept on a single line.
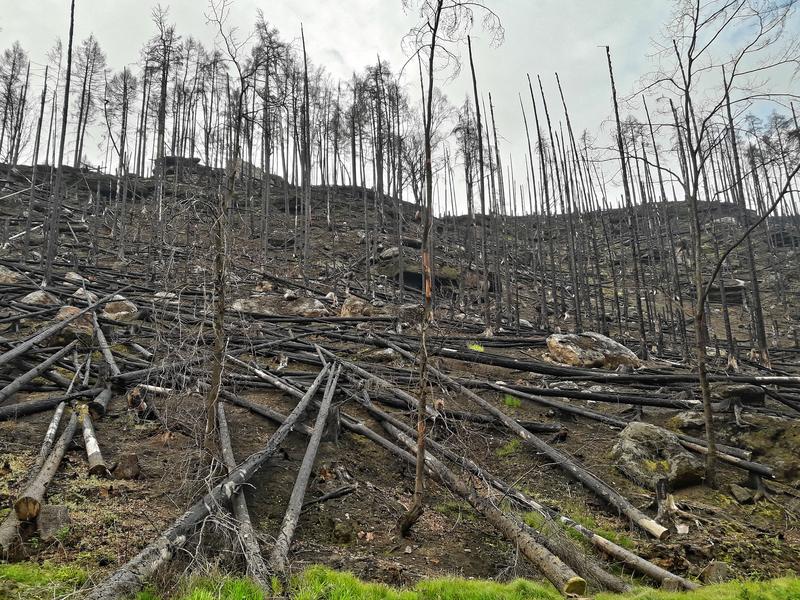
[[270, 330]]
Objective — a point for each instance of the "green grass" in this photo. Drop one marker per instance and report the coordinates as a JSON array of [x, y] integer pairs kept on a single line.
[[213, 588], [31, 581], [321, 583], [476, 347], [511, 401], [509, 448], [775, 589]]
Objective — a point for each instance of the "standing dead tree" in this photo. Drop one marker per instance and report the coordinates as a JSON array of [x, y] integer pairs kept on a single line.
[[453, 18], [246, 71]]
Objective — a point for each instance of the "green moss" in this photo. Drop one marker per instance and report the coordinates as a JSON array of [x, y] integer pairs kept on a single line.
[[476, 347], [509, 448], [31, 581], [511, 401], [657, 466]]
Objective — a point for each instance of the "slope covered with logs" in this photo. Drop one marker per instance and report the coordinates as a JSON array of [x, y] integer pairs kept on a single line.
[[103, 379]]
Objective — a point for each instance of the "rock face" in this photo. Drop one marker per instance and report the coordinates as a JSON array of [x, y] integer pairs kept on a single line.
[[741, 393], [646, 453], [590, 349], [8, 277]]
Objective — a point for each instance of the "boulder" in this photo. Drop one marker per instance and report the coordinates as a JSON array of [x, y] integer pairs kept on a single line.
[[687, 419], [590, 349], [165, 298], [647, 453], [39, 298], [120, 309], [257, 305], [307, 307], [353, 306], [86, 295], [738, 393], [82, 327], [74, 278], [741, 494], [381, 355], [9, 277], [715, 572], [270, 306], [390, 253], [53, 522], [409, 313], [127, 467]]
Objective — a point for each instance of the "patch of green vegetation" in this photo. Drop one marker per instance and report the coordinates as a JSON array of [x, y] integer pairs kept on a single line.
[[31, 581], [321, 583], [775, 589], [511, 401], [509, 448], [476, 347], [537, 521], [212, 588], [657, 466]]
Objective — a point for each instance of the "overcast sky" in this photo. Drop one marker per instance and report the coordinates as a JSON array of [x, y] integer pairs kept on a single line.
[[541, 37]]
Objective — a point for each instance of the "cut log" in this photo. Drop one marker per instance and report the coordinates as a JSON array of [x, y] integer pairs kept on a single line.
[[97, 466], [13, 387], [256, 568], [49, 437], [99, 406], [129, 578], [280, 552], [106, 351], [27, 505]]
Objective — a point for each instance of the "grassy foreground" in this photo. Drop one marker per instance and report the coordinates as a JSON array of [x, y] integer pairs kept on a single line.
[[27, 581]]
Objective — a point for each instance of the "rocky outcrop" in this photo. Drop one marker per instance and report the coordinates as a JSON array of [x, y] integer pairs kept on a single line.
[[647, 453], [590, 349]]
